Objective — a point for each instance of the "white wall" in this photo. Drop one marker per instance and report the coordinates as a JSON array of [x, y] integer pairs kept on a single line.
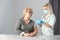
[[7, 16]]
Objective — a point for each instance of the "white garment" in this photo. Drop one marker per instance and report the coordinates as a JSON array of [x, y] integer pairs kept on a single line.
[[51, 19], [22, 33]]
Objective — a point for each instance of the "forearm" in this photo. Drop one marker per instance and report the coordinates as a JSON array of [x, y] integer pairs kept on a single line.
[[35, 31], [47, 25], [40, 25]]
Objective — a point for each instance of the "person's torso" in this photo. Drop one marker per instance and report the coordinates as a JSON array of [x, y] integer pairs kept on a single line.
[[45, 29], [27, 27]]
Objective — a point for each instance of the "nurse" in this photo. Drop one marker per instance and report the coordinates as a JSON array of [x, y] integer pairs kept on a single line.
[[47, 21]]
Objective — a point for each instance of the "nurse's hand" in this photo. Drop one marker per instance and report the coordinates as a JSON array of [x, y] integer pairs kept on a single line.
[[39, 22]]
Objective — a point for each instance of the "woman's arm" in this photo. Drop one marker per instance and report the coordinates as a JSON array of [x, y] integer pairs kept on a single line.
[[35, 31], [18, 28]]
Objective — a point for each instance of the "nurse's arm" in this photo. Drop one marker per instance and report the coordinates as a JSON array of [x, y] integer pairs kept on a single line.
[[40, 25], [51, 22], [47, 25]]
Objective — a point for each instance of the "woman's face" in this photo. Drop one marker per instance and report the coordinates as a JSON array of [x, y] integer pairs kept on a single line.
[[45, 10], [28, 14]]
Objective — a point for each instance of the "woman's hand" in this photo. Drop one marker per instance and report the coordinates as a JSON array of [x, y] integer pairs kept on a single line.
[[32, 34], [29, 34]]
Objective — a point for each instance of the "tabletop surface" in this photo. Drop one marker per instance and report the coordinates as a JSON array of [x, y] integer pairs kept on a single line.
[[16, 37]]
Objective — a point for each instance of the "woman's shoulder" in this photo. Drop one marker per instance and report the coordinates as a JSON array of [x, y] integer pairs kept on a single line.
[[21, 19]]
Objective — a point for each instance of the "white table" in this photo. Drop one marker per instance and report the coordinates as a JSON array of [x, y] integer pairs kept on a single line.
[[16, 37]]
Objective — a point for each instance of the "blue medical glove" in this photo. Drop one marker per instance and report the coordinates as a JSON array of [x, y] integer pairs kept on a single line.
[[39, 22]]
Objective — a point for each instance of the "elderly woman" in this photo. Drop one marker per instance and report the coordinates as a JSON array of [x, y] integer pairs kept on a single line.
[[27, 26]]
